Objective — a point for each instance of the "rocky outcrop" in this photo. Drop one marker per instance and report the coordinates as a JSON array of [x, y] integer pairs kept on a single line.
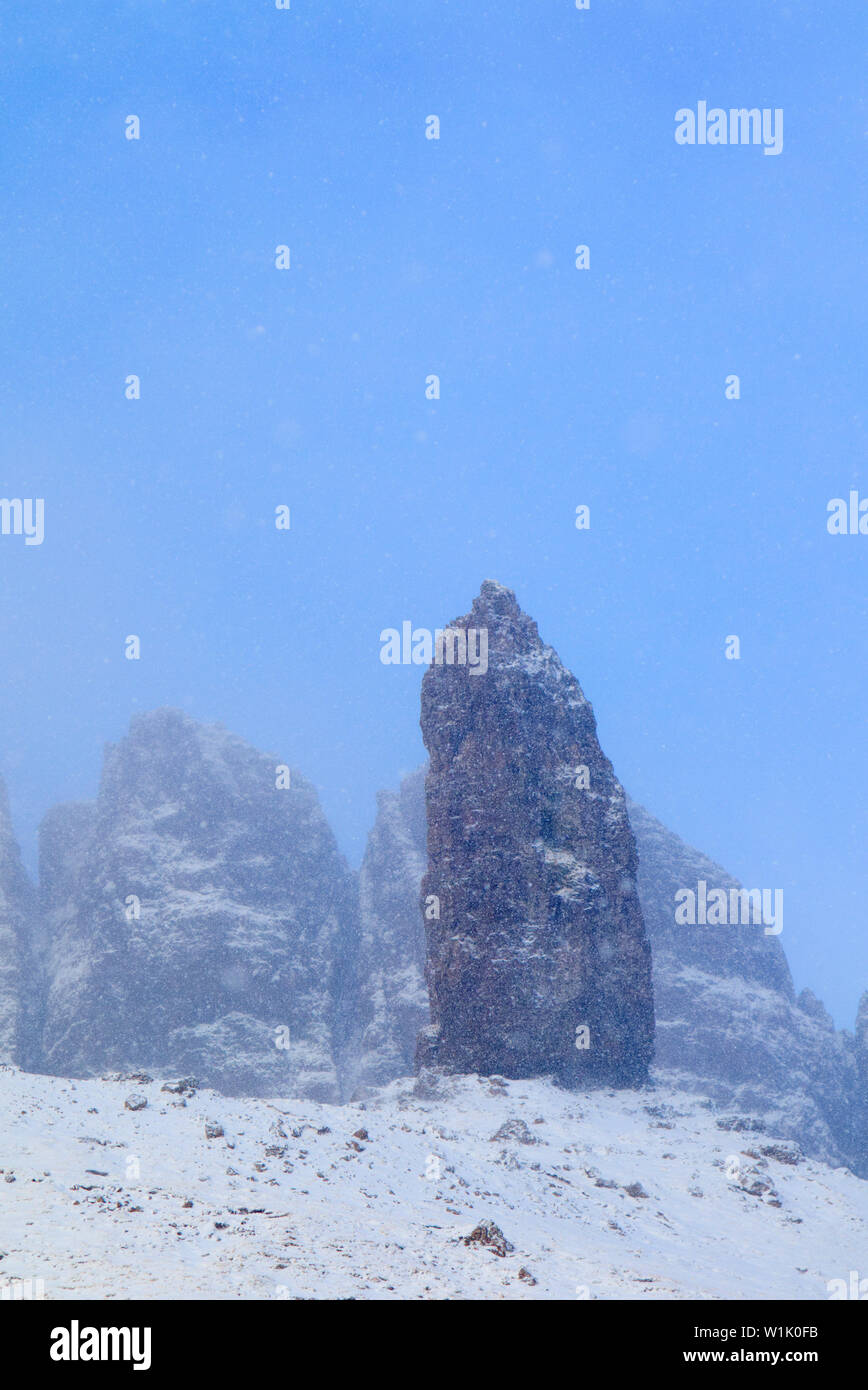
[[729, 1025], [198, 919], [19, 982], [392, 999], [201, 918], [534, 928]]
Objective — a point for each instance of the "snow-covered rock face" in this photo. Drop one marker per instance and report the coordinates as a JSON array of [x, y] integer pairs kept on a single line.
[[19, 978], [198, 919], [392, 1000], [728, 1023], [533, 921], [201, 918]]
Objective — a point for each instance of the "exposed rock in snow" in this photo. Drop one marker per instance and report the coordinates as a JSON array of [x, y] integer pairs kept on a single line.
[[533, 921], [19, 974], [491, 1237], [201, 917]]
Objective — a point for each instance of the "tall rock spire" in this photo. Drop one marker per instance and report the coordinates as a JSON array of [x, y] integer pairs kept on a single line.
[[537, 958]]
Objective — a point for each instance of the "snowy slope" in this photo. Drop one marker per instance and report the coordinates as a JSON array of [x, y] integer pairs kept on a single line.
[[294, 1201]]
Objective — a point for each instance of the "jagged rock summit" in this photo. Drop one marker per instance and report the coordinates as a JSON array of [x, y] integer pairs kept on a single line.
[[534, 928], [194, 911]]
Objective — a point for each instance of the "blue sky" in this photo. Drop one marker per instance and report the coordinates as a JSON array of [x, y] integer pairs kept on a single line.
[[559, 387]]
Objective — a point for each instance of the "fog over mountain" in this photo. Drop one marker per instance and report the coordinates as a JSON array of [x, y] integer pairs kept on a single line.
[[198, 918], [433, 796], [728, 1023]]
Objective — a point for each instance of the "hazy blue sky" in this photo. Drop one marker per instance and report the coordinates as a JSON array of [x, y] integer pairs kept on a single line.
[[559, 387]]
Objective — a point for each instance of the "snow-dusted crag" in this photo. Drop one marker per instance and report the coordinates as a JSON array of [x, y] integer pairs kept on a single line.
[[194, 911], [392, 998], [534, 929], [19, 977], [729, 1025]]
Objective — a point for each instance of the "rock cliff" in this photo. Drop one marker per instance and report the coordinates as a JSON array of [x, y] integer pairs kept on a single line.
[[537, 958], [201, 918]]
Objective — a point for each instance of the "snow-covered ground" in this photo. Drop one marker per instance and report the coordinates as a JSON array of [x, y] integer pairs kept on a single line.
[[374, 1200]]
